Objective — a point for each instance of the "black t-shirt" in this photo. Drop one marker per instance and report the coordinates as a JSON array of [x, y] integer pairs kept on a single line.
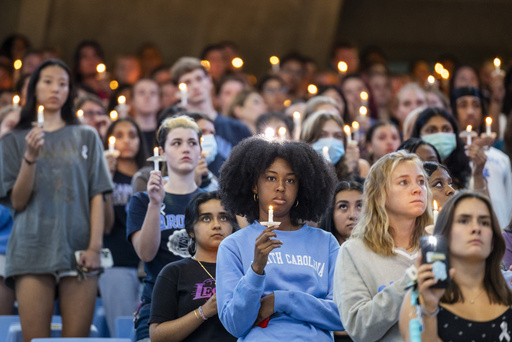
[[150, 138], [122, 251], [173, 239], [182, 287], [451, 327]]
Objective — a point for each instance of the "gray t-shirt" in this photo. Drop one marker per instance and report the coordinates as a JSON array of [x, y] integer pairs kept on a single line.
[[70, 170], [369, 289]]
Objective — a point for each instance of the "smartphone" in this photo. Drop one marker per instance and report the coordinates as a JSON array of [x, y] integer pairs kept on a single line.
[[105, 256], [434, 250]]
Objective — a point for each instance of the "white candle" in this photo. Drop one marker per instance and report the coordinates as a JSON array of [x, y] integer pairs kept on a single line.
[[156, 154], [497, 64], [364, 98], [436, 212], [468, 130], [183, 94], [122, 107], [111, 144], [40, 116], [488, 123], [16, 101], [355, 127], [270, 213], [325, 152], [346, 128], [297, 123], [282, 133], [274, 60], [101, 68]]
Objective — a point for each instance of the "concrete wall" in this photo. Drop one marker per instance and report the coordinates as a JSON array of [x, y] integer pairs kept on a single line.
[[408, 29], [180, 27]]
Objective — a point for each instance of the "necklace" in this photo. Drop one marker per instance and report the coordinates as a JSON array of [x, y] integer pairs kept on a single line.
[[472, 301], [206, 271]]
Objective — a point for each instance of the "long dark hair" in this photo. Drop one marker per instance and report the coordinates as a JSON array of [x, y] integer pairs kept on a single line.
[[28, 112], [76, 58], [352, 183], [494, 284], [140, 156], [192, 216], [457, 162]]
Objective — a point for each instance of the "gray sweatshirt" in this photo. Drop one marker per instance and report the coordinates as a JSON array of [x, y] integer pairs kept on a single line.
[[369, 289]]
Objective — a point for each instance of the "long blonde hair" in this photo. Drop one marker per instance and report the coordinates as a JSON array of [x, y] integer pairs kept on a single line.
[[373, 227]]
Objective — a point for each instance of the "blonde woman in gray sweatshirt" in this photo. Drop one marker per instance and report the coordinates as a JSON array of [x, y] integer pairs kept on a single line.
[[370, 279]]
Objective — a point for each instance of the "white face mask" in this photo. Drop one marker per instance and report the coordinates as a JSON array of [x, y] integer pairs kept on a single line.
[[209, 146]]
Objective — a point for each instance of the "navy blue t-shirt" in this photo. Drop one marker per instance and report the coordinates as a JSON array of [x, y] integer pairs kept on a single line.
[[122, 251], [173, 238]]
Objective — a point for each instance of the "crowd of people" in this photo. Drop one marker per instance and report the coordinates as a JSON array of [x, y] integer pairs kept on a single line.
[[305, 192]]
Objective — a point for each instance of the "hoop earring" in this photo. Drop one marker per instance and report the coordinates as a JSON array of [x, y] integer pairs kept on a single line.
[[255, 197], [297, 204]]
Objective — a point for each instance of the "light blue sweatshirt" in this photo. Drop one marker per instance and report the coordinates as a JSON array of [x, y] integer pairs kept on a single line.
[[300, 273]]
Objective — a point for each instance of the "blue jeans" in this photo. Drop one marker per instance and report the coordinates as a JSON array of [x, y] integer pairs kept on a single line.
[[120, 290]]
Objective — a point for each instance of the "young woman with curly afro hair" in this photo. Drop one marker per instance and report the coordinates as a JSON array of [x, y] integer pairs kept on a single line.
[[274, 281]]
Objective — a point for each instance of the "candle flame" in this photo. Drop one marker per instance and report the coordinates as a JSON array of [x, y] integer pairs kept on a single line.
[[274, 60], [80, 113], [281, 131], [270, 132], [16, 99], [469, 128], [364, 95], [497, 62], [40, 109], [17, 64], [114, 84], [112, 140], [488, 120], [346, 128], [342, 66], [431, 79], [101, 68], [182, 86], [296, 115], [206, 64], [287, 102], [435, 205], [312, 89], [439, 68], [445, 74], [355, 125], [121, 99], [113, 115], [270, 207], [363, 110], [237, 62]]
